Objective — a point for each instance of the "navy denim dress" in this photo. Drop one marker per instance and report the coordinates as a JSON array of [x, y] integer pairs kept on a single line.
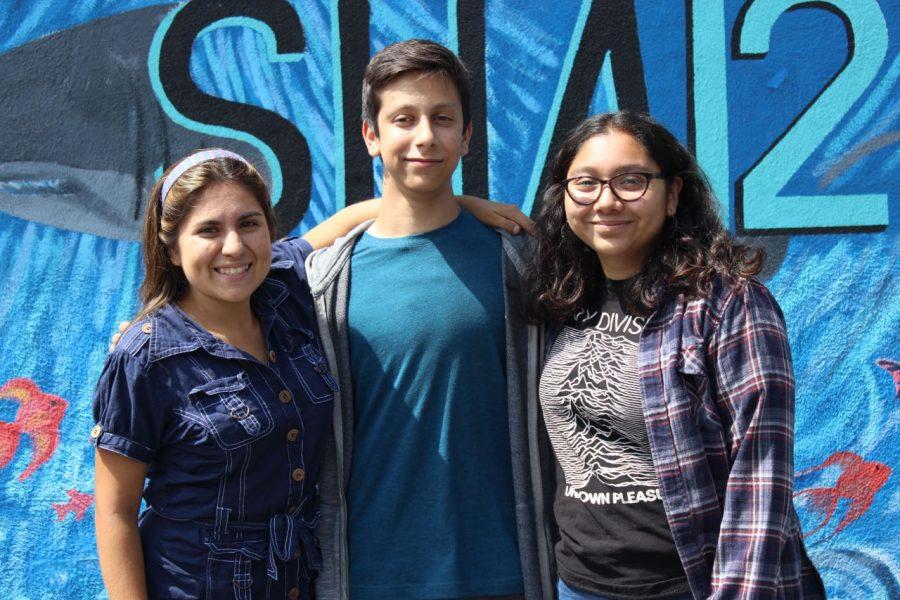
[[233, 446]]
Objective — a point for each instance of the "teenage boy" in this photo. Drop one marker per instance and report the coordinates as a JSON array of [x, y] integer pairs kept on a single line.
[[427, 491]]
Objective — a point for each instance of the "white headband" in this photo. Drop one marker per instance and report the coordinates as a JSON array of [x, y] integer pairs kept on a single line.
[[192, 161]]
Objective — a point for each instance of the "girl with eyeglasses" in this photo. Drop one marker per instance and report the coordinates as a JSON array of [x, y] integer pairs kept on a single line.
[[667, 387], [215, 405]]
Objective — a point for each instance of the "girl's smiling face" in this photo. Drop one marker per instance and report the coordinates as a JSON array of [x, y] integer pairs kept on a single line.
[[223, 247], [622, 234]]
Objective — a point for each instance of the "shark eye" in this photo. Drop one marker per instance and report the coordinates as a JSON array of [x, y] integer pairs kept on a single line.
[[31, 186]]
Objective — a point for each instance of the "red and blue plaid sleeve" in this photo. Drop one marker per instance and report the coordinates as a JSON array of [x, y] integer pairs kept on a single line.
[[754, 384]]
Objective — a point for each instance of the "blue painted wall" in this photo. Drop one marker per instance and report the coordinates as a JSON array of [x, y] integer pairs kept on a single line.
[[793, 108]]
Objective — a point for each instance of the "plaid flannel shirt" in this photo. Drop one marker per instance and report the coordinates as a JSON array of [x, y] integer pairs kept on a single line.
[[718, 388]]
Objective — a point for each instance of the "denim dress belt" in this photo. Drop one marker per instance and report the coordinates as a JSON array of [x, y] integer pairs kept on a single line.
[[286, 534], [284, 537]]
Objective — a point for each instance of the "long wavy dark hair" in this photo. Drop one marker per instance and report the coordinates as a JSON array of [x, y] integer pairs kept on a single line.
[[692, 250]]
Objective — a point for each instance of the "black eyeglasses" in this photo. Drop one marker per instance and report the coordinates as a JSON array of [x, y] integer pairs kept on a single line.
[[627, 187]]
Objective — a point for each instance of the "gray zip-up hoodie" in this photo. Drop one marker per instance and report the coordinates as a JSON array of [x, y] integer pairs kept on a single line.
[[328, 271]]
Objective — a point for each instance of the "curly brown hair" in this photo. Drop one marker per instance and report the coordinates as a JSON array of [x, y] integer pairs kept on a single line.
[[692, 250]]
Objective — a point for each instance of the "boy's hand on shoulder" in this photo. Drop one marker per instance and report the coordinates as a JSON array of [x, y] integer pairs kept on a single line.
[[497, 214], [116, 336]]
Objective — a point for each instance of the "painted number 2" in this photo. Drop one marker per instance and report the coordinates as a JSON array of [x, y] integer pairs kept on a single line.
[[759, 205]]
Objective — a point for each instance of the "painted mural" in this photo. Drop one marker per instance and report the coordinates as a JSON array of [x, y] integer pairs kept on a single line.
[[792, 107]]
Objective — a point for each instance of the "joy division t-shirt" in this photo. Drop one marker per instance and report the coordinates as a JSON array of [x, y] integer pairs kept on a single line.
[[614, 537]]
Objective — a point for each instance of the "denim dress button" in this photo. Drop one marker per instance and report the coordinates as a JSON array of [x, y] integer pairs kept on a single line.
[[284, 396], [298, 474]]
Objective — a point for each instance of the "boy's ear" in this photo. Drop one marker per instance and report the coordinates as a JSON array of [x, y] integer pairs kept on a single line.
[[467, 135], [370, 137]]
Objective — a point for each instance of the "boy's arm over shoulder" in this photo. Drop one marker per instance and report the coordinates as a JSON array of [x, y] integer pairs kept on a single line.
[[342, 223], [499, 215], [326, 234], [131, 337]]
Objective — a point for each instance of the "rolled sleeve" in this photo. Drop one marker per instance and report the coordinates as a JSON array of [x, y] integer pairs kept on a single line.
[[128, 418]]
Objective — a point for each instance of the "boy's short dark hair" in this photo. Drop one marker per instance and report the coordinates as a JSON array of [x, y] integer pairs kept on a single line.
[[412, 56]]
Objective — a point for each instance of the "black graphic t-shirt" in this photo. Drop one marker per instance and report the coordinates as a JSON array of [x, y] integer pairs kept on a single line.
[[615, 540]]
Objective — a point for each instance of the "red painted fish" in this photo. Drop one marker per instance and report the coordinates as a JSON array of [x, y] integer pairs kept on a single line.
[[78, 504], [893, 369], [39, 416], [859, 482]]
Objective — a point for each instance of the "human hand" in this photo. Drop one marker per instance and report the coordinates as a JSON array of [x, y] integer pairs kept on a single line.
[[497, 214], [115, 338]]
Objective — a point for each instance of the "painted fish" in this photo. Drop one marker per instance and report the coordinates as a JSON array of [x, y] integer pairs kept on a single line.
[[859, 482], [893, 369], [78, 504], [39, 416]]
